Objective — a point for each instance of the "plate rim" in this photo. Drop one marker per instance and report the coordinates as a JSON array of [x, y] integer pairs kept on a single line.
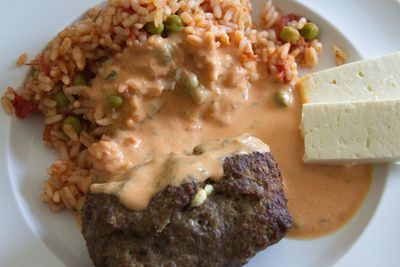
[[7, 120]]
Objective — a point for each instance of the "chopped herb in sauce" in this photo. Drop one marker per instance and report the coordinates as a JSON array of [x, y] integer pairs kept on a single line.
[[341, 216], [254, 124], [170, 85], [131, 68], [323, 221], [255, 104], [103, 59], [163, 54], [177, 74], [112, 76]]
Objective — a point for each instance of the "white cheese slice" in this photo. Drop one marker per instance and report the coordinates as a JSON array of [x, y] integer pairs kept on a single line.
[[370, 79], [357, 132]]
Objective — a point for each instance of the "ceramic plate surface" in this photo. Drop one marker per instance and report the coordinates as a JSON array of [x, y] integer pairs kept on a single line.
[[55, 239]]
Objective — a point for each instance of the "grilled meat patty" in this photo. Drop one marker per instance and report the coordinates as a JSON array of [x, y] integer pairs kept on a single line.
[[246, 213]]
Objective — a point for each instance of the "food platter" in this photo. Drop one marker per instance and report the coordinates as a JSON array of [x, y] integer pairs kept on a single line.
[[25, 159]]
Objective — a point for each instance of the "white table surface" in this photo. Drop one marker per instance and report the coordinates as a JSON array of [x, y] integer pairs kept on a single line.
[[374, 28]]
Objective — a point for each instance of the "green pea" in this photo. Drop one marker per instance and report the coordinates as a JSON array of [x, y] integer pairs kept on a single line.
[[283, 98], [309, 31], [198, 94], [80, 79], [163, 54], [74, 122], [174, 23], [192, 87], [153, 29], [289, 34], [61, 99], [199, 198], [190, 81], [115, 101]]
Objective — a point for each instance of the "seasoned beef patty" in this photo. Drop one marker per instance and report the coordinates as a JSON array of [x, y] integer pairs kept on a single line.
[[246, 213]]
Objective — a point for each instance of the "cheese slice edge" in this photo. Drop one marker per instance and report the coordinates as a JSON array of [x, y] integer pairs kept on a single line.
[[357, 132]]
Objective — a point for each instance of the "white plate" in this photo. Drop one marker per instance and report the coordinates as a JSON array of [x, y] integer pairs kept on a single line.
[[55, 239]]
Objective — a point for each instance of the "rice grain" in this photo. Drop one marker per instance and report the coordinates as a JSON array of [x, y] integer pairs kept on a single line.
[[21, 59], [107, 31]]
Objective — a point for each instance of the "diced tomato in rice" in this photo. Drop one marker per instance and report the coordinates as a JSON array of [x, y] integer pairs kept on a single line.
[[286, 19], [23, 107]]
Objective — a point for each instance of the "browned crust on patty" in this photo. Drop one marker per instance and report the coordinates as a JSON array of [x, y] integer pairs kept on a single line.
[[246, 213]]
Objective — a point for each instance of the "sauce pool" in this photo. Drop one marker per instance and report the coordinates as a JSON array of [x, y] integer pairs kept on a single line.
[[320, 198]]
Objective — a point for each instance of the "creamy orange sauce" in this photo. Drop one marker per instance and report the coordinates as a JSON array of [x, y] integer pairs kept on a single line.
[[320, 198], [137, 186]]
